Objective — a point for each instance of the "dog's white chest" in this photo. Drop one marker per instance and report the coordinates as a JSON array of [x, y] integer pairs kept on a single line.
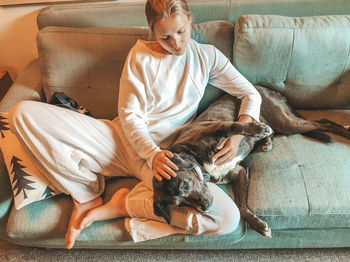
[[218, 171]]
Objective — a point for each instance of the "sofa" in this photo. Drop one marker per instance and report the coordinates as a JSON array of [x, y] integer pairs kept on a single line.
[[297, 47]]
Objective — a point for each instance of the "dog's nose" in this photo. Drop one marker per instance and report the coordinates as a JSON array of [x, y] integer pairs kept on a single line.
[[206, 202]]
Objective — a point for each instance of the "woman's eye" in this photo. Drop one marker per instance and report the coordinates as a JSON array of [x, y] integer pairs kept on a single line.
[[166, 38]]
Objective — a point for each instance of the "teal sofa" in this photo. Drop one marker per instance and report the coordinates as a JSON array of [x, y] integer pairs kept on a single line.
[[297, 47]]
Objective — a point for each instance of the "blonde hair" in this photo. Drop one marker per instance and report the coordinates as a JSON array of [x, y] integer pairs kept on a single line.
[[156, 10]]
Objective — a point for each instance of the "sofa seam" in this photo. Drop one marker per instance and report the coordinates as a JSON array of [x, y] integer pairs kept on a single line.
[[246, 28], [290, 60], [89, 33], [87, 62], [304, 182], [347, 59], [296, 215]]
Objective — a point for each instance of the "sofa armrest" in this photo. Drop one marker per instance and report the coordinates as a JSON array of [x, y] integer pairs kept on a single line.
[[27, 86]]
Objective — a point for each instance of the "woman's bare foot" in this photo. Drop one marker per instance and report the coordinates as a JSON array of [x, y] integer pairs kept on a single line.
[[79, 211], [115, 208]]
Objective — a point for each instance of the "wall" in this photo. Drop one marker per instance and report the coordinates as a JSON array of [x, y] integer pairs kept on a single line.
[[18, 32], [18, 37]]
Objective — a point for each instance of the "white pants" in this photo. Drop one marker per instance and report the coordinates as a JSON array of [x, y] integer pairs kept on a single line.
[[75, 152]]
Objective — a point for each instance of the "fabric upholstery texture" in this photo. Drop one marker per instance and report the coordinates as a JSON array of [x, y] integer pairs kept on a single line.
[[89, 69], [132, 14], [303, 183], [306, 58]]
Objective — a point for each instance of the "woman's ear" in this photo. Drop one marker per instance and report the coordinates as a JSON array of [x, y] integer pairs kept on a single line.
[[190, 18]]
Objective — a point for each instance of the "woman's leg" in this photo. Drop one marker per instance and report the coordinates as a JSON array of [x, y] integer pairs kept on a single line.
[[71, 150], [223, 217], [79, 212], [114, 208]]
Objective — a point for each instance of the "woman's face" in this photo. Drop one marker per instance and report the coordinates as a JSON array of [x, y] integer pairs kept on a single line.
[[173, 33]]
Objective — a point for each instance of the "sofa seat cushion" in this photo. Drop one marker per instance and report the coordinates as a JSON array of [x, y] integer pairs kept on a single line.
[[303, 183], [45, 222], [305, 58]]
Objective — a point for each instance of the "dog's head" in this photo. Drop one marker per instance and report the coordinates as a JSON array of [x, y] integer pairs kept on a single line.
[[187, 188]]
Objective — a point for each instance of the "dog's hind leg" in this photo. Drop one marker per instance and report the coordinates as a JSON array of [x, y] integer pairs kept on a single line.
[[227, 129], [330, 126], [240, 182]]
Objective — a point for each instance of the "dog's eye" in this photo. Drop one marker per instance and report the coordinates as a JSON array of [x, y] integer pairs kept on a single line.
[[184, 187]]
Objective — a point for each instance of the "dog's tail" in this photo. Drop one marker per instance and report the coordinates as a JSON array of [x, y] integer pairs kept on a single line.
[[330, 126], [319, 135]]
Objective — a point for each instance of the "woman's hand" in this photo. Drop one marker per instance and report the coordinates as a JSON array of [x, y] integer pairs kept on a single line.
[[162, 166], [227, 150], [229, 147]]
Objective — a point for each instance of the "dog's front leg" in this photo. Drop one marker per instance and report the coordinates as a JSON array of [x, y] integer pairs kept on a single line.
[[240, 181]]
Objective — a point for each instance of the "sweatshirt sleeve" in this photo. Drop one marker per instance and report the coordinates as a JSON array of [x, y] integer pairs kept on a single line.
[[132, 108], [226, 77]]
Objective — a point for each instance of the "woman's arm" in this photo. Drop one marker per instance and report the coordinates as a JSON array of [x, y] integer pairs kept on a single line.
[[132, 111], [245, 119], [226, 77]]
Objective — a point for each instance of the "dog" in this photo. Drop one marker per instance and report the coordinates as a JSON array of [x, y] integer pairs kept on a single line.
[[197, 143]]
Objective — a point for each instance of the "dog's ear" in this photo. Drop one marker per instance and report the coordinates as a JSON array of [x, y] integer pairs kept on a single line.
[[160, 208]]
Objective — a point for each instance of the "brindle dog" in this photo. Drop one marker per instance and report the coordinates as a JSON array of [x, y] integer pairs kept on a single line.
[[197, 142]]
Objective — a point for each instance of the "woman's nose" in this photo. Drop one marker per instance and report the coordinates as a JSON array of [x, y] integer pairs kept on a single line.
[[175, 43]]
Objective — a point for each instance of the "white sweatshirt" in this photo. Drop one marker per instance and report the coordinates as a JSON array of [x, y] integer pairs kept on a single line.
[[160, 93]]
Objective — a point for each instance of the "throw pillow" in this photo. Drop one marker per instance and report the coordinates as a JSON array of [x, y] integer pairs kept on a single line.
[[28, 184]]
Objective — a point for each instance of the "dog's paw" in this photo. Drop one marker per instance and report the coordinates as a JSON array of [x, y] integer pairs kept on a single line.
[[267, 144], [259, 225], [261, 130]]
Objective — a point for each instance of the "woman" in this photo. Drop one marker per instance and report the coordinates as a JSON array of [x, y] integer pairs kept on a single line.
[[160, 89]]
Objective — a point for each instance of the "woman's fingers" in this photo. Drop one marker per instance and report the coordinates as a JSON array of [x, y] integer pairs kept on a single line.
[[168, 162], [224, 159], [227, 150], [223, 148], [163, 166]]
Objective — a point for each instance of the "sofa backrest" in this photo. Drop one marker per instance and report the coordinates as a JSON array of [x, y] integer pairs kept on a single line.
[[132, 14], [86, 63], [82, 48]]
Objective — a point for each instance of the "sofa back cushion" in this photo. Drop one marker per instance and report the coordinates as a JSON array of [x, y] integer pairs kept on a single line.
[[306, 58], [86, 63], [132, 13]]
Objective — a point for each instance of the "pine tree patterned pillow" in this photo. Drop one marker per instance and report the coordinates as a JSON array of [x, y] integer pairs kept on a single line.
[[28, 184]]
